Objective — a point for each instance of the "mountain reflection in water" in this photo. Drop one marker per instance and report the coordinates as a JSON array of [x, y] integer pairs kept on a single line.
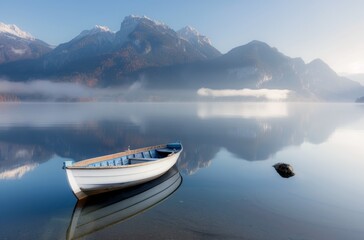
[[251, 131]]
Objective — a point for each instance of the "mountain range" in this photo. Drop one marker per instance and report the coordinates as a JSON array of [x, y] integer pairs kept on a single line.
[[16, 44], [156, 57]]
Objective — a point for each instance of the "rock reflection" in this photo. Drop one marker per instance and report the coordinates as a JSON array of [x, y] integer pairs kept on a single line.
[[101, 211]]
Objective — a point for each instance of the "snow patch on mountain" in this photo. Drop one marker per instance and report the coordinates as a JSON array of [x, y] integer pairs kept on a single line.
[[102, 28], [15, 31], [191, 35], [97, 29]]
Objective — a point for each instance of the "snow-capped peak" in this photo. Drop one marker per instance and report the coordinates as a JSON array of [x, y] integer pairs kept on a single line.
[[130, 22], [190, 34], [102, 28], [15, 31], [95, 30], [136, 19], [188, 30]]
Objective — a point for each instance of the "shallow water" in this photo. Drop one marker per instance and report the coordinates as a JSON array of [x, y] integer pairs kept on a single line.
[[229, 190]]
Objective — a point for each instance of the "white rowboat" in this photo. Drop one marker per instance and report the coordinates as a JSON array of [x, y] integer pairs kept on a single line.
[[120, 170]]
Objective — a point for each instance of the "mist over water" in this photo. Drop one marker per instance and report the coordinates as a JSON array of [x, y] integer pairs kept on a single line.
[[51, 91], [47, 88], [146, 89]]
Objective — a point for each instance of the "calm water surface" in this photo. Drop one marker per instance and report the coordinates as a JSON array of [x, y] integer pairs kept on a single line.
[[229, 189]]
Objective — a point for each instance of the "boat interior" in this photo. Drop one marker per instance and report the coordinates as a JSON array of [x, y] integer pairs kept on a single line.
[[139, 157]]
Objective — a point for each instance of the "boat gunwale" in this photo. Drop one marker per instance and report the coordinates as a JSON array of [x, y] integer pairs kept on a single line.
[[121, 166], [83, 165]]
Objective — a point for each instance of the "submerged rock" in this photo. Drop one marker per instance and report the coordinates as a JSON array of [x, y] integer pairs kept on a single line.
[[284, 170]]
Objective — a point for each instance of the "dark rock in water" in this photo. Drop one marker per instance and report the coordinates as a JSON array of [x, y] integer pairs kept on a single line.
[[284, 170]]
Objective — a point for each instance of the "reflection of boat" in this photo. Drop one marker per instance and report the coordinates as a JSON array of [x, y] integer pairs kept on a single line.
[[100, 211], [120, 170]]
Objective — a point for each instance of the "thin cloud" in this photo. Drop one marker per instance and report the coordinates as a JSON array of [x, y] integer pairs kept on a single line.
[[270, 94]]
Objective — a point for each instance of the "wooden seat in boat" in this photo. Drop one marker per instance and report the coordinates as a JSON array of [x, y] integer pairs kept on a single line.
[[139, 160], [166, 150]]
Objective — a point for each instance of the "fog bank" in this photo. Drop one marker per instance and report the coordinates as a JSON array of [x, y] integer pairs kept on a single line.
[[270, 94], [59, 90]]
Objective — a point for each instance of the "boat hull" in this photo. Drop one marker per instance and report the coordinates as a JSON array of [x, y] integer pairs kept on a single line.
[[89, 181]]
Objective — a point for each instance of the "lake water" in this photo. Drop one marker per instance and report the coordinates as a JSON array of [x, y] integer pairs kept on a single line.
[[229, 189]]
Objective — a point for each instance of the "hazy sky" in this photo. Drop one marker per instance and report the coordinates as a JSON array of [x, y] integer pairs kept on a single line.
[[330, 30]]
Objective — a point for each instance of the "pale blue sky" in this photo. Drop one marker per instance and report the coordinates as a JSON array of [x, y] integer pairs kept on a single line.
[[330, 30]]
